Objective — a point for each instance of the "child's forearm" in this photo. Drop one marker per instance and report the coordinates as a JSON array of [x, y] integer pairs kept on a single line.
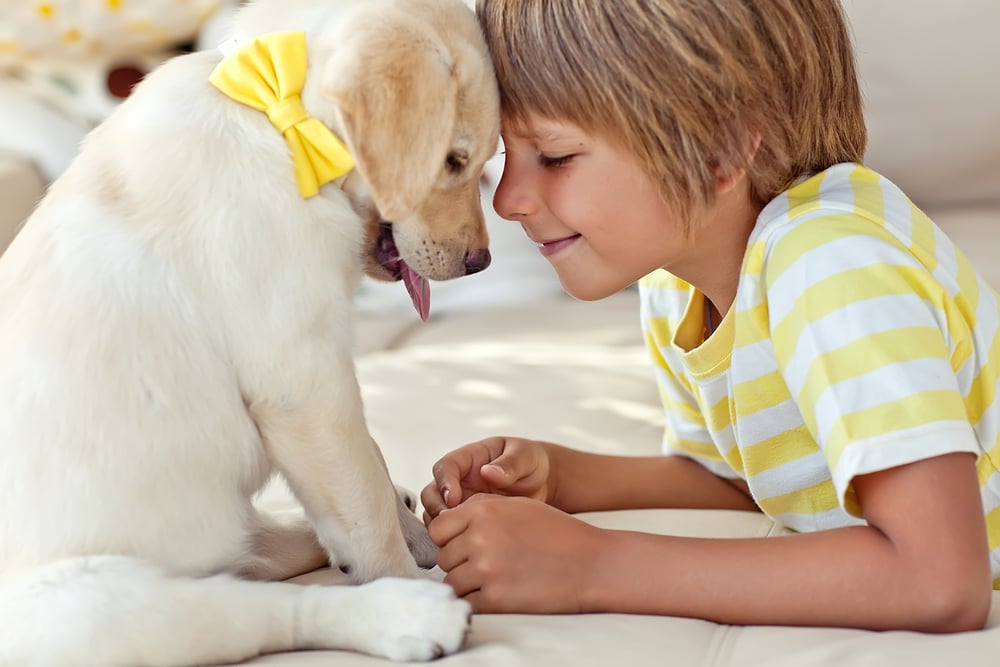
[[584, 482], [926, 568], [849, 577]]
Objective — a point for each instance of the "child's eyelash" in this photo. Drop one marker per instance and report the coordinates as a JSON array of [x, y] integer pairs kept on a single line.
[[547, 161]]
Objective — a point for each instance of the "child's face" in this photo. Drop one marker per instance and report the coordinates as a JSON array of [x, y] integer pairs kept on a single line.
[[595, 214]]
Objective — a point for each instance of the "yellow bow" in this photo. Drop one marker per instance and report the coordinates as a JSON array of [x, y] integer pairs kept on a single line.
[[268, 74]]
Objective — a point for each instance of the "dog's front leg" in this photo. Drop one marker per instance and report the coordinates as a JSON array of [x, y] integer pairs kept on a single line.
[[322, 446]]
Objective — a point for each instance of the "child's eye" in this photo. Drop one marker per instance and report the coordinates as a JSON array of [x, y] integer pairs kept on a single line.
[[549, 161]]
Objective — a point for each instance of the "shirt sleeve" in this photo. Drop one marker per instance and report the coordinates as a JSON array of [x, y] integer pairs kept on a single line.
[[867, 341]]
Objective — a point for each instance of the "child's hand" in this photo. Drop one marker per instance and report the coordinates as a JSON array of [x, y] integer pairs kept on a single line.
[[506, 555], [505, 466]]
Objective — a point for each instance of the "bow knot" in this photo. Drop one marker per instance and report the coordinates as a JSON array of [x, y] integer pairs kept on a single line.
[[287, 113], [268, 74]]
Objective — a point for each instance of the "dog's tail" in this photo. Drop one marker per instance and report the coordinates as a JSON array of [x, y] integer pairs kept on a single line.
[[112, 611]]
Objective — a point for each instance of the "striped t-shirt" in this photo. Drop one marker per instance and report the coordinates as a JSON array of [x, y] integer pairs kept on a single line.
[[860, 339]]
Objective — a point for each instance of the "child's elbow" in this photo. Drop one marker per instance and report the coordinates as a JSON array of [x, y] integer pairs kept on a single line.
[[957, 604]]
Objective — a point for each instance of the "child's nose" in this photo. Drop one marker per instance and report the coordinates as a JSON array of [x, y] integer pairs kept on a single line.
[[512, 200]]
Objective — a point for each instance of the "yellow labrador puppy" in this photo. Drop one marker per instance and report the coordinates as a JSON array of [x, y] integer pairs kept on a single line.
[[176, 327]]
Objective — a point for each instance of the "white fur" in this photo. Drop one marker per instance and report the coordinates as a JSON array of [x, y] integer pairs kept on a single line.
[[176, 328]]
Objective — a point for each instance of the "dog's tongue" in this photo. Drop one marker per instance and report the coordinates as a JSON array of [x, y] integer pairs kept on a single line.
[[419, 289]]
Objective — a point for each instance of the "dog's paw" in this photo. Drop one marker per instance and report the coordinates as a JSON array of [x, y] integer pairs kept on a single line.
[[407, 497], [411, 619]]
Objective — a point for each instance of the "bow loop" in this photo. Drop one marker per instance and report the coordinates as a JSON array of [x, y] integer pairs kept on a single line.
[[267, 74]]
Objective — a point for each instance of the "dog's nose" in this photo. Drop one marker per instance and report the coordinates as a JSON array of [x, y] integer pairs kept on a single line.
[[476, 261]]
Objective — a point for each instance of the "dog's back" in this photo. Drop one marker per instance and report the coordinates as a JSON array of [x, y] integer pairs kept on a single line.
[[130, 441]]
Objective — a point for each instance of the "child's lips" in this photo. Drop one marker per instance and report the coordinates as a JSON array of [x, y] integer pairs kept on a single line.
[[549, 248]]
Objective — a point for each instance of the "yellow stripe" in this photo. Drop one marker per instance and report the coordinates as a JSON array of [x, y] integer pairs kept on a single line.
[[983, 388], [924, 241], [828, 228], [688, 411], [761, 393], [788, 446], [754, 263], [989, 463], [968, 284], [854, 360], [913, 411], [694, 448], [657, 327], [993, 528], [804, 197], [752, 325], [718, 416], [734, 457], [660, 279], [869, 200], [815, 499], [848, 287]]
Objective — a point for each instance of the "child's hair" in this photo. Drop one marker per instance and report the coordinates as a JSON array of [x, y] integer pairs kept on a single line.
[[686, 86]]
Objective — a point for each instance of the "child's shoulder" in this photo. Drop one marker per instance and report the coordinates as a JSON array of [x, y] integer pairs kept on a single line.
[[847, 204], [843, 188]]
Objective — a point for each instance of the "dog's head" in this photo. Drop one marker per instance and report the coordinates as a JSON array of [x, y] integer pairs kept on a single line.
[[415, 99]]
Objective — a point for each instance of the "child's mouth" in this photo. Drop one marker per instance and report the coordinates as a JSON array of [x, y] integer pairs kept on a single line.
[[549, 248]]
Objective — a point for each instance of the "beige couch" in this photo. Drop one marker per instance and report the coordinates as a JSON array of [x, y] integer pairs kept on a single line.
[[506, 353]]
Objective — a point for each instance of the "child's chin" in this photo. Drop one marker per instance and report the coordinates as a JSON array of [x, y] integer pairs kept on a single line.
[[585, 290]]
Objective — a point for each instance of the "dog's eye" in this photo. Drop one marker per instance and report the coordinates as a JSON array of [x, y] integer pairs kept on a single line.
[[456, 161]]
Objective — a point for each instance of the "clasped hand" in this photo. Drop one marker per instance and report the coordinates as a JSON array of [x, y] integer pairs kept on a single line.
[[502, 546]]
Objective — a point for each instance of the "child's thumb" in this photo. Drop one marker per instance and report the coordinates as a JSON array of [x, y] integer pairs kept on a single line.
[[499, 473]]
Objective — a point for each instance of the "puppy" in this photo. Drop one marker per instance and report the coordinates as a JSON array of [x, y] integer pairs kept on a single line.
[[176, 328]]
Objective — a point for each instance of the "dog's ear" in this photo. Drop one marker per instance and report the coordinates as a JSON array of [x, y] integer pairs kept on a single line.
[[396, 92]]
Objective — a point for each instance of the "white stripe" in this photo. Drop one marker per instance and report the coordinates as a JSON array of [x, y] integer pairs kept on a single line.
[[836, 188], [807, 523], [830, 332], [901, 447], [946, 272], [986, 428], [675, 392], [897, 212], [749, 294], [991, 493], [713, 389], [847, 253], [768, 423], [753, 361], [881, 386], [724, 439], [801, 473], [717, 468]]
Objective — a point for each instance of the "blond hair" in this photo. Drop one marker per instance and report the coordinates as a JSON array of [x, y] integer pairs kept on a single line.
[[686, 86]]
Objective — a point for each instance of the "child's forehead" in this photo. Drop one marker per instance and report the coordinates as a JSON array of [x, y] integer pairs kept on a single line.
[[539, 128]]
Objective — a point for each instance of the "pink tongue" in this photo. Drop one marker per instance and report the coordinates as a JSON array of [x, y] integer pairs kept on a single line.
[[419, 289]]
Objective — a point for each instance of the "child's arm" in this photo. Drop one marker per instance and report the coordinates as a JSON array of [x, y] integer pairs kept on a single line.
[[576, 481], [921, 564]]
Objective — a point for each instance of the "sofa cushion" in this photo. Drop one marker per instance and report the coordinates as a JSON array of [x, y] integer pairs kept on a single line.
[[929, 73]]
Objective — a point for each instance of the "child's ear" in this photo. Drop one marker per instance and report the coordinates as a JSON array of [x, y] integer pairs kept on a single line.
[[729, 172]]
